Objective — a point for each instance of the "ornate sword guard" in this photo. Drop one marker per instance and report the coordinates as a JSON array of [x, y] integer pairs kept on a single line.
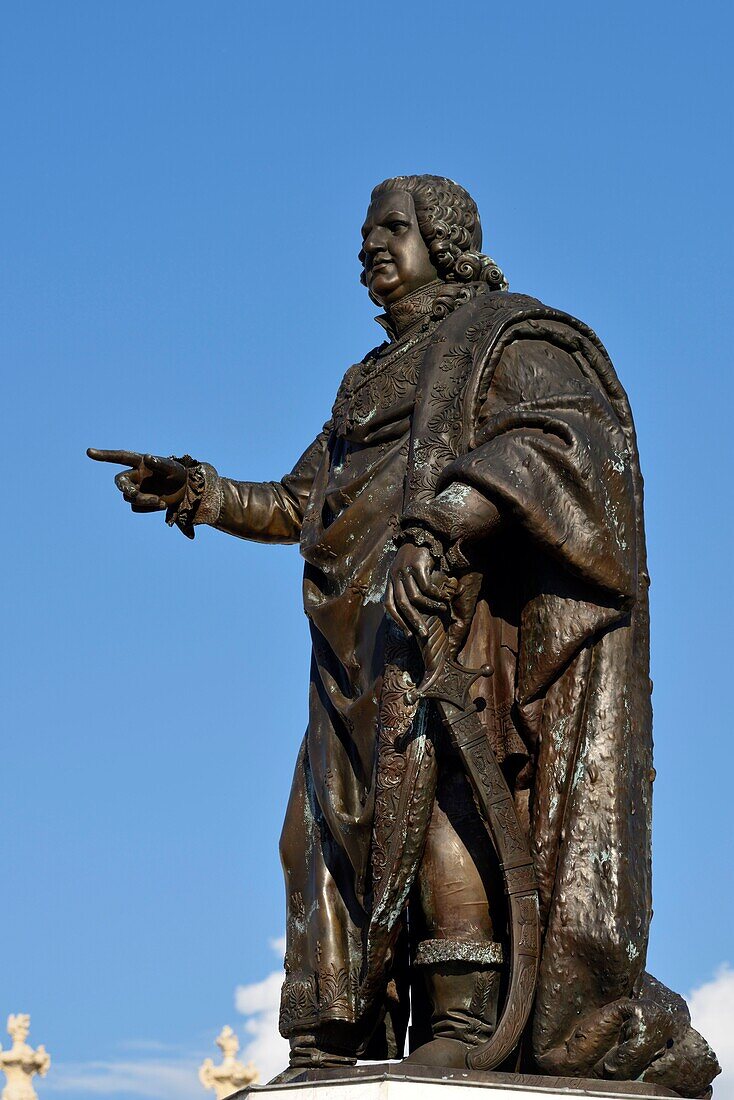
[[445, 680], [450, 682]]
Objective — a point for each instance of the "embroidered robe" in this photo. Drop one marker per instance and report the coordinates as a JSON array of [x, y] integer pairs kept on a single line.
[[518, 403]]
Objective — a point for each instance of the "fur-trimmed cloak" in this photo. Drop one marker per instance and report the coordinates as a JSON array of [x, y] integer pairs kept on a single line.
[[520, 403]]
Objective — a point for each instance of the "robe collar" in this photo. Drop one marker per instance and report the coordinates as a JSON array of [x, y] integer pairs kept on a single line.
[[410, 309]]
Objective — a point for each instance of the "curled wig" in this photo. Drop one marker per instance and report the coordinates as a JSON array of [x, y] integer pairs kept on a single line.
[[449, 223]]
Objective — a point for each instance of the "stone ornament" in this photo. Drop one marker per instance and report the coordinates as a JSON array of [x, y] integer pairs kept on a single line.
[[21, 1063], [231, 1074]]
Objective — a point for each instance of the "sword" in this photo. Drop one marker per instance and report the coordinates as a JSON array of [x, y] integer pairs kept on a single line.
[[448, 684]]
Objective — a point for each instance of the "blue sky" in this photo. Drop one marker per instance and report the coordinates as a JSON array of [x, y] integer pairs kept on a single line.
[[183, 185]]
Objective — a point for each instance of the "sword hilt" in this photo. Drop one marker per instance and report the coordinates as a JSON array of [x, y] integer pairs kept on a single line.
[[444, 678], [450, 683]]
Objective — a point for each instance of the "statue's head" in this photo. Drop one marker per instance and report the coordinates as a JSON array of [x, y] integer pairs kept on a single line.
[[418, 229]]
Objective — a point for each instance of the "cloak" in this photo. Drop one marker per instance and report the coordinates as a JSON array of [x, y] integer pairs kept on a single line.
[[519, 403]]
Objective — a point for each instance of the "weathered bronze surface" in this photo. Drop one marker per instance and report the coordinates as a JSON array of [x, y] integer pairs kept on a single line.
[[470, 814]]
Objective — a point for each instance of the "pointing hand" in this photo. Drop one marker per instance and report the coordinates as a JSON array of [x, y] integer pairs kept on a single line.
[[151, 483]]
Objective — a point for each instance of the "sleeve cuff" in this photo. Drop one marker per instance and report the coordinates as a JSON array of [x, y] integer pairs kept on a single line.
[[457, 517], [202, 499]]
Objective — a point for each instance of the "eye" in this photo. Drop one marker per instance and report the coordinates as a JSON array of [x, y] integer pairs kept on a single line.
[[397, 227]]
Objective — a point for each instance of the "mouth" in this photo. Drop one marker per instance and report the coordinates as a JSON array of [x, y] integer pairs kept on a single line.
[[380, 263]]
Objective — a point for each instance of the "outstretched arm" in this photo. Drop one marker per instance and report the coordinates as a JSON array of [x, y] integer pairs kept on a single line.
[[192, 493], [268, 511]]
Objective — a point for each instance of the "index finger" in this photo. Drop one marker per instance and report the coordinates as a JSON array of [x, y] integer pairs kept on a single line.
[[167, 466], [122, 458]]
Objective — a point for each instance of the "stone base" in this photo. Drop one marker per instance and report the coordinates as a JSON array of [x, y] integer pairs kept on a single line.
[[390, 1081]]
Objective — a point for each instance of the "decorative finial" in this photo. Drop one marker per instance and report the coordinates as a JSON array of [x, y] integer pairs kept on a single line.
[[21, 1063], [230, 1075]]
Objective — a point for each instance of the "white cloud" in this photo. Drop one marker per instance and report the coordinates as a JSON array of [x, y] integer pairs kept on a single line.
[[260, 1002], [278, 946], [712, 1013], [156, 1079]]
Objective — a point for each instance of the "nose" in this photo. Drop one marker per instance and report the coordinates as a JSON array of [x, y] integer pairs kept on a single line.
[[374, 241]]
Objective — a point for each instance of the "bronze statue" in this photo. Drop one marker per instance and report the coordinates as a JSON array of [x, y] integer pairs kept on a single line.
[[469, 823]]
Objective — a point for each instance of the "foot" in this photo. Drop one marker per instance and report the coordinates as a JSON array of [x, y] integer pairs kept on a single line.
[[443, 1053]]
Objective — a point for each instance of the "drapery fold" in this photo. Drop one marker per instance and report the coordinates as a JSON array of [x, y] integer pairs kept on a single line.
[[515, 409]]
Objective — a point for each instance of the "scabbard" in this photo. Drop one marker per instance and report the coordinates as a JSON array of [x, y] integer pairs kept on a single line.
[[497, 809]]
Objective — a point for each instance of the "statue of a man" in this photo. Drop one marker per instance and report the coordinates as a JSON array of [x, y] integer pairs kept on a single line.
[[477, 482]]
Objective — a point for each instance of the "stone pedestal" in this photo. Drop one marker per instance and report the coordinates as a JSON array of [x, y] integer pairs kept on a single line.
[[391, 1082]]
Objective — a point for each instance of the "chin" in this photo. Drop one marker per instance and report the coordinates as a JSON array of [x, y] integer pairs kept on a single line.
[[384, 287]]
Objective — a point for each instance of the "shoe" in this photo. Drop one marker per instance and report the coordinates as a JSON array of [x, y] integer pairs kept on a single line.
[[464, 1000]]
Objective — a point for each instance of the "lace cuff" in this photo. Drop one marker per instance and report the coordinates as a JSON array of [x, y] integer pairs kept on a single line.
[[457, 517], [421, 536], [202, 499]]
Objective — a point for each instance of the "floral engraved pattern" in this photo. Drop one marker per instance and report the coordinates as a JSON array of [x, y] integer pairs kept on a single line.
[[389, 374], [337, 990], [405, 788], [298, 907], [396, 718], [329, 994], [298, 1002], [439, 431], [385, 378], [484, 997]]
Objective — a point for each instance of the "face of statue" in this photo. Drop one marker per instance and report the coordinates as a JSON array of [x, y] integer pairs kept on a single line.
[[395, 256]]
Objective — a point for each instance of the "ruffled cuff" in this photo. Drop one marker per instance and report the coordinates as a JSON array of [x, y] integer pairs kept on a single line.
[[202, 499], [417, 535], [454, 519]]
